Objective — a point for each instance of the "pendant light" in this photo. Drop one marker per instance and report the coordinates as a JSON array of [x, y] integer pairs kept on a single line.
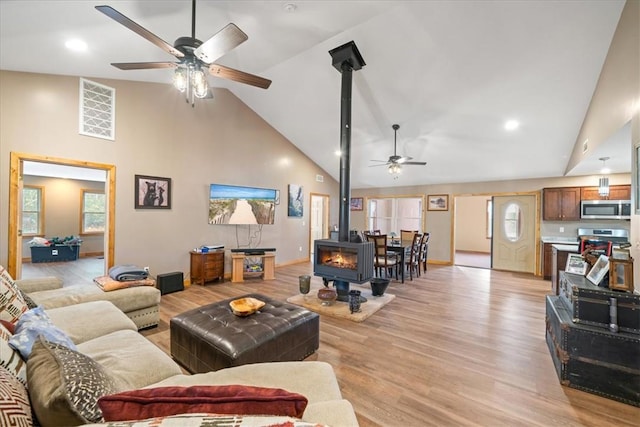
[[603, 182]]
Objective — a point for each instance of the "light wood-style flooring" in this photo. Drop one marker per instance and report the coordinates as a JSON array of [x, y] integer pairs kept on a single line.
[[458, 346]]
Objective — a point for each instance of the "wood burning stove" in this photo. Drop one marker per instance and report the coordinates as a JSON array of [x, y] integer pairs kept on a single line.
[[345, 261]]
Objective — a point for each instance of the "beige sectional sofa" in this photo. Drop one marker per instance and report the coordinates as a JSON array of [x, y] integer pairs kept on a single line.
[[141, 303], [106, 335]]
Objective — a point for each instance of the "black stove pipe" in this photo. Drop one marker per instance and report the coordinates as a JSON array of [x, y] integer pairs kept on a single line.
[[346, 59]]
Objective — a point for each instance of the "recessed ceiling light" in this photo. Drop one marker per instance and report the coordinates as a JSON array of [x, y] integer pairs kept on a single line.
[[76, 45], [511, 125]]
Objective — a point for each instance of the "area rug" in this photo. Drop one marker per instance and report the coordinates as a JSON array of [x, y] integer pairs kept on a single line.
[[341, 309]]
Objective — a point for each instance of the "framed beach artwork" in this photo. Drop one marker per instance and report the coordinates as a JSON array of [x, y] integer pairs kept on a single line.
[[296, 201], [599, 270], [152, 192], [356, 203], [576, 264]]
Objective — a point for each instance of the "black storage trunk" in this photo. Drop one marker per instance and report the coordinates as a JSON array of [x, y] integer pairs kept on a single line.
[[55, 253], [593, 359], [589, 304], [170, 282]]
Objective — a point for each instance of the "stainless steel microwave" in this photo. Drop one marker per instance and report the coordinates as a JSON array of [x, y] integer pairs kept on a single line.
[[605, 209]]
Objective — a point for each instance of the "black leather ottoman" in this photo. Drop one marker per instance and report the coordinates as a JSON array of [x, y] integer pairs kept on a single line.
[[211, 337]]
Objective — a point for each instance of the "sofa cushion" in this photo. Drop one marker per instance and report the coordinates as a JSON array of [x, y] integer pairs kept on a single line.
[[10, 358], [30, 326], [64, 385], [98, 318], [230, 399], [130, 358], [12, 305], [125, 299], [15, 409], [210, 420]]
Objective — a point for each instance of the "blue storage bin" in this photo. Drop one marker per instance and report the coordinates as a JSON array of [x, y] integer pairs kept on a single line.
[[55, 253]]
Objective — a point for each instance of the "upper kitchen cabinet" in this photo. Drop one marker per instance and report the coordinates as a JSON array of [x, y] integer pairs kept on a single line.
[[561, 204], [616, 192]]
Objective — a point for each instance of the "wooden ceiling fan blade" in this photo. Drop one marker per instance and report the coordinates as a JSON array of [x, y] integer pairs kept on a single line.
[[138, 29], [381, 164], [220, 43], [239, 76], [143, 65], [415, 163]]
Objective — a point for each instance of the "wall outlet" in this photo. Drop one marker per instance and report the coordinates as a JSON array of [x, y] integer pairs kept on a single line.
[[146, 269], [562, 229], [300, 248]]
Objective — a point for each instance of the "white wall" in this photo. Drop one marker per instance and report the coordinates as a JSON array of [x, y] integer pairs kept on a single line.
[[471, 224]]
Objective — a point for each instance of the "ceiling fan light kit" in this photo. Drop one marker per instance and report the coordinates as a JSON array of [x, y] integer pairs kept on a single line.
[[394, 162], [195, 57]]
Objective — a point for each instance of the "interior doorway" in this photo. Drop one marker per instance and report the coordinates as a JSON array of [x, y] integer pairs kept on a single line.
[[473, 231], [319, 219], [15, 206]]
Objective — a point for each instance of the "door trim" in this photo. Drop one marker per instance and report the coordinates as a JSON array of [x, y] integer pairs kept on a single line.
[[14, 176], [325, 217]]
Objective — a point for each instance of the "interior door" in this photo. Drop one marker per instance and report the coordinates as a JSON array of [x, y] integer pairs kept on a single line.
[[514, 242], [319, 227]]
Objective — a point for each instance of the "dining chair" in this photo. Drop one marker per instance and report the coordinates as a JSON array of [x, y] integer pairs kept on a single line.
[[412, 262], [384, 260], [407, 235], [424, 249]]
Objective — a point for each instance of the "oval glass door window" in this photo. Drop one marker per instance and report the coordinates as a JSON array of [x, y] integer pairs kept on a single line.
[[512, 222]]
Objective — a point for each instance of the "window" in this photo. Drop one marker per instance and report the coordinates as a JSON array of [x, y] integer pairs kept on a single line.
[[513, 222], [94, 213], [393, 214], [32, 222]]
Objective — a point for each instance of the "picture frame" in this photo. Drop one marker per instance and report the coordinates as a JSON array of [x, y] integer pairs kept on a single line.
[[599, 270], [357, 203], [576, 264], [296, 201], [152, 192], [438, 202], [621, 274]]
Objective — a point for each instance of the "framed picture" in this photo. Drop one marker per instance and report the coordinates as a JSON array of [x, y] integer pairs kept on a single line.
[[152, 192], [356, 203], [576, 264], [599, 270], [296, 200], [438, 202]]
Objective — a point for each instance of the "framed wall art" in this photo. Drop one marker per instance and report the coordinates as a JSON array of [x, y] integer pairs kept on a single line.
[[152, 192], [296, 201], [356, 203], [576, 264], [599, 270], [438, 202]]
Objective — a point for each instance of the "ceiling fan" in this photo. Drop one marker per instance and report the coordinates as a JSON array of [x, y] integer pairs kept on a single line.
[[396, 161], [194, 56]]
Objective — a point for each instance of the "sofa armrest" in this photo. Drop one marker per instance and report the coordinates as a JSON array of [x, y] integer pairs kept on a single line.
[[39, 284]]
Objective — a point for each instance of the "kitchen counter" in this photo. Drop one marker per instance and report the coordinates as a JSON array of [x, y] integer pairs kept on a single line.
[[567, 247], [559, 240]]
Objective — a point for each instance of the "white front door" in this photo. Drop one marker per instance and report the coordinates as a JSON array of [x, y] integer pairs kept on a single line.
[[514, 243]]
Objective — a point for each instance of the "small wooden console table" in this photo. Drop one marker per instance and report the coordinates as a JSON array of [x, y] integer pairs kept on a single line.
[[268, 266]]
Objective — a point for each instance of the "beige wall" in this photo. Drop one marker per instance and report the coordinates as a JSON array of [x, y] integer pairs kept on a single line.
[[62, 210], [158, 134], [471, 224]]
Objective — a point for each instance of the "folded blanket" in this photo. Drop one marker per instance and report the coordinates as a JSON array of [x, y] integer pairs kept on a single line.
[[127, 272], [107, 284]]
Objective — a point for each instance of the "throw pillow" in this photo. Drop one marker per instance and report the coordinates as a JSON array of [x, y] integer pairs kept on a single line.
[[15, 409], [224, 399], [27, 299], [65, 385], [33, 324], [11, 303], [10, 358]]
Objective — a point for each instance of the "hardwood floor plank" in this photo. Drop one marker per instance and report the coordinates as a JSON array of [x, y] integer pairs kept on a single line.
[[458, 346]]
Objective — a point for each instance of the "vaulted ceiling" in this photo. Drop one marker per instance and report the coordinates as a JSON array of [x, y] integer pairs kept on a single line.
[[450, 73]]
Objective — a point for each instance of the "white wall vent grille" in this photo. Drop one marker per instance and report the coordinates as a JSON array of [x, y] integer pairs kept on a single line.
[[97, 110], [319, 178]]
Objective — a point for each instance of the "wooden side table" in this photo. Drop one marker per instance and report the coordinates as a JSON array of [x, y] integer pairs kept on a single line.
[[207, 266], [268, 266]]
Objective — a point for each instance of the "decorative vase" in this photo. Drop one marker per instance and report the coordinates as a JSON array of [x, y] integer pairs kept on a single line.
[[354, 301], [379, 286], [327, 295], [305, 284]]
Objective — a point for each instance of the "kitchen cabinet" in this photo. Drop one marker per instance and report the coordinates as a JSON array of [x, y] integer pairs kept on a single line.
[[561, 204], [616, 192], [560, 253], [547, 254], [207, 266]]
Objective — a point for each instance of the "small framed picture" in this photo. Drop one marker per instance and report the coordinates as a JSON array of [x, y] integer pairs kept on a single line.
[[599, 270], [438, 202], [152, 192], [356, 203], [576, 264]]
